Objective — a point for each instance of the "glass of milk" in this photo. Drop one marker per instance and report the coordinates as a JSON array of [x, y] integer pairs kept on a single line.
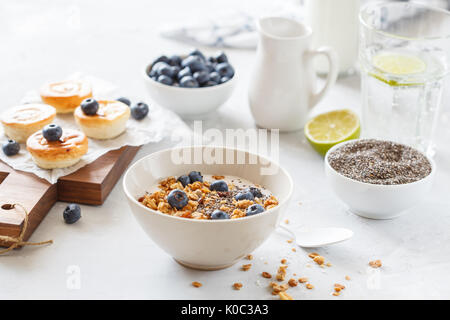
[[335, 24]]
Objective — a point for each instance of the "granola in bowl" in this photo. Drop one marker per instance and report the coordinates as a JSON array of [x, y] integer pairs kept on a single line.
[[208, 197]]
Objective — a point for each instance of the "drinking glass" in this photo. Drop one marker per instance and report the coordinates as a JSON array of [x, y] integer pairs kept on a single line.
[[404, 55]]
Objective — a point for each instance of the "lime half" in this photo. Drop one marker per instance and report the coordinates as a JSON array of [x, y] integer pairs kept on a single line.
[[399, 64], [331, 128]]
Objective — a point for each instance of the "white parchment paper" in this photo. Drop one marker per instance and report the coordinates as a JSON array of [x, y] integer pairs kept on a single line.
[[159, 123]]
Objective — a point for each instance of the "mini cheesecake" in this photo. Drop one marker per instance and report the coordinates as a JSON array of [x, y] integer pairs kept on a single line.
[[62, 153], [109, 121], [66, 95], [22, 121]]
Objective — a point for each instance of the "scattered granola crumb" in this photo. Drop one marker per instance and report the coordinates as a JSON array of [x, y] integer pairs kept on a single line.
[[286, 221], [289, 241], [309, 286], [319, 260], [303, 280], [292, 282], [281, 274], [335, 294], [237, 286], [294, 274], [246, 267], [284, 296], [337, 289], [249, 257], [277, 288], [312, 255], [347, 278], [196, 284], [283, 261], [266, 275], [308, 265], [375, 264], [329, 264], [294, 250]]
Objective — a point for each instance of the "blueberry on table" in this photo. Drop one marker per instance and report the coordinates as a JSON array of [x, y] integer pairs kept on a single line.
[[11, 148], [201, 77], [175, 60], [224, 79], [72, 213], [184, 72], [225, 70], [254, 209], [214, 76], [165, 80], [184, 179], [195, 176], [124, 100], [219, 185], [246, 195], [221, 57], [89, 106], [210, 84], [198, 53], [139, 110], [177, 199], [219, 215], [162, 58], [255, 191], [188, 82], [52, 132]]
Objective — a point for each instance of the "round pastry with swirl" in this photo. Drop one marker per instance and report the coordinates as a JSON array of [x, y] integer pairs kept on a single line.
[[62, 153], [109, 121], [22, 121], [66, 95]]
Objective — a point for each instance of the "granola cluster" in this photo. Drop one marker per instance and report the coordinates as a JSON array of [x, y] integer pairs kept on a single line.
[[202, 202]]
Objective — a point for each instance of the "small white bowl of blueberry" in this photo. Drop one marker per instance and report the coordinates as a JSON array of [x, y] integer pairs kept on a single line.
[[191, 85]]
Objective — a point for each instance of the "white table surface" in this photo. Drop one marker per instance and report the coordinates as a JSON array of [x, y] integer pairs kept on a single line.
[[44, 40]]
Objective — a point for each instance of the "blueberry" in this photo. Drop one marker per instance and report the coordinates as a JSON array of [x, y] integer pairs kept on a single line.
[[184, 72], [225, 70], [124, 100], [201, 77], [165, 80], [255, 191], [219, 215], [157, 66], [221, 57], [153, 73], [52, 132], [175, 60], [168, 71], [210, 67], [219, 185], [254, 209], [188, 82], [175, 71], [214, 76], [224, 79], [212, 60], [139, 110], [194, 63], [11, 147], [89, 106], [198, 53], [209, 84], [184, 179], [246, 195], [72, 213], [177, 199], [195, 176], [162, 58]]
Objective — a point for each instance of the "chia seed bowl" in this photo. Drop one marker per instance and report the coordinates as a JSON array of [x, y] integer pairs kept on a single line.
[[375, 184]]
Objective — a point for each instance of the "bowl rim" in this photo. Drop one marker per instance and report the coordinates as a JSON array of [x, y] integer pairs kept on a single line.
[[373, 185], [239, 220], [203, 89]]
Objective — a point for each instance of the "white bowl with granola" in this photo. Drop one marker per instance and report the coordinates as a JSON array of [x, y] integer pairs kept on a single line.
[[378, 179], [208, 215]]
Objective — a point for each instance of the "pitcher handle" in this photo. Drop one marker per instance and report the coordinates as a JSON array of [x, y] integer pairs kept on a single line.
[[332, 57]]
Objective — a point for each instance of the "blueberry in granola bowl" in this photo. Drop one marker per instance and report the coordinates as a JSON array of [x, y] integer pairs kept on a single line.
[[246, 195], [254, 209], [219, 215], [195, 176], [191, 235], [177, 199], [184, 179], [219, 186]]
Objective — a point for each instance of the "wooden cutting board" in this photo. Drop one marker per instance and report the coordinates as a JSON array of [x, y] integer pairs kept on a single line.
[[89, 185]]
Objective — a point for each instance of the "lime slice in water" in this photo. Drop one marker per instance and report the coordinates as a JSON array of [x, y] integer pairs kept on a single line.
[[399, 64]]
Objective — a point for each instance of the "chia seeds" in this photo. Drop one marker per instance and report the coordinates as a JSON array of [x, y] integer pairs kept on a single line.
[[379, 162]]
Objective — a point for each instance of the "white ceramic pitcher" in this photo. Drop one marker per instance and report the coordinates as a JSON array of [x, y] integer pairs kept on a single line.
[[282, 89]]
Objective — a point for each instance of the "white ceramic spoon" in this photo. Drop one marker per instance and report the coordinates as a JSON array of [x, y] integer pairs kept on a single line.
[[318, 237]]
